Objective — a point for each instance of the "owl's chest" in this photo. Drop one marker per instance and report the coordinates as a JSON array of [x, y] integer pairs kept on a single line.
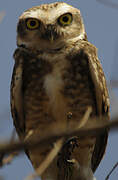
[[43, 77], [57, 87]]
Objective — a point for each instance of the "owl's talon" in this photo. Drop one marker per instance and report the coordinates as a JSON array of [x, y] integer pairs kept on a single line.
[[74, 162]]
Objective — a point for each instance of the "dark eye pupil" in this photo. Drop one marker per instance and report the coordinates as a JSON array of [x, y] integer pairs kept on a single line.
[[65, 19], [32, 23]]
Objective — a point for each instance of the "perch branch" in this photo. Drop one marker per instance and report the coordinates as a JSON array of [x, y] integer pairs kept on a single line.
[[95, 129]]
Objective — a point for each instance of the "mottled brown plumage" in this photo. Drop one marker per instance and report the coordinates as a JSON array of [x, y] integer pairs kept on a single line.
[[56, 77]]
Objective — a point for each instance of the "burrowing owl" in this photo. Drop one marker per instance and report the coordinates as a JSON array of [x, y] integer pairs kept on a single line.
[[57, 71]]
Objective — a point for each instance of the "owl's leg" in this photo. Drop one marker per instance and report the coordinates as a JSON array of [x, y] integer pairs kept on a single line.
[[74, 160], [81, 172]]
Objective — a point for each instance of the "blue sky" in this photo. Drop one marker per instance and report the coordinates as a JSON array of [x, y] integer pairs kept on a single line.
[[102, 30]]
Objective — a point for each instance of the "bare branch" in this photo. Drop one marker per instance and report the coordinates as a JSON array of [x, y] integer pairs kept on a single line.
[[92, 129], [114, 167]]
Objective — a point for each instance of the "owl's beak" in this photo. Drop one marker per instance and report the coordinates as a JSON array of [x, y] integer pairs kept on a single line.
[[50, 36], [50, 33]]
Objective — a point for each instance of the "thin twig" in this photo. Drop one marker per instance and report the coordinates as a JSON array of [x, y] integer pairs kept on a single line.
[[7, 160], [114, 167], [1, 178], [85, 118], [13, 135], [109, 3], [2, 14], [52, 154], [114, 83]]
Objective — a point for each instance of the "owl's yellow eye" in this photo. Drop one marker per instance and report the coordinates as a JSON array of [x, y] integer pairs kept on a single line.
[[65, 19], [32, 23]]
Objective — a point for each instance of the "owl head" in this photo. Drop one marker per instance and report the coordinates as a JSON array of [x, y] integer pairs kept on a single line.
[[50, 26]]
